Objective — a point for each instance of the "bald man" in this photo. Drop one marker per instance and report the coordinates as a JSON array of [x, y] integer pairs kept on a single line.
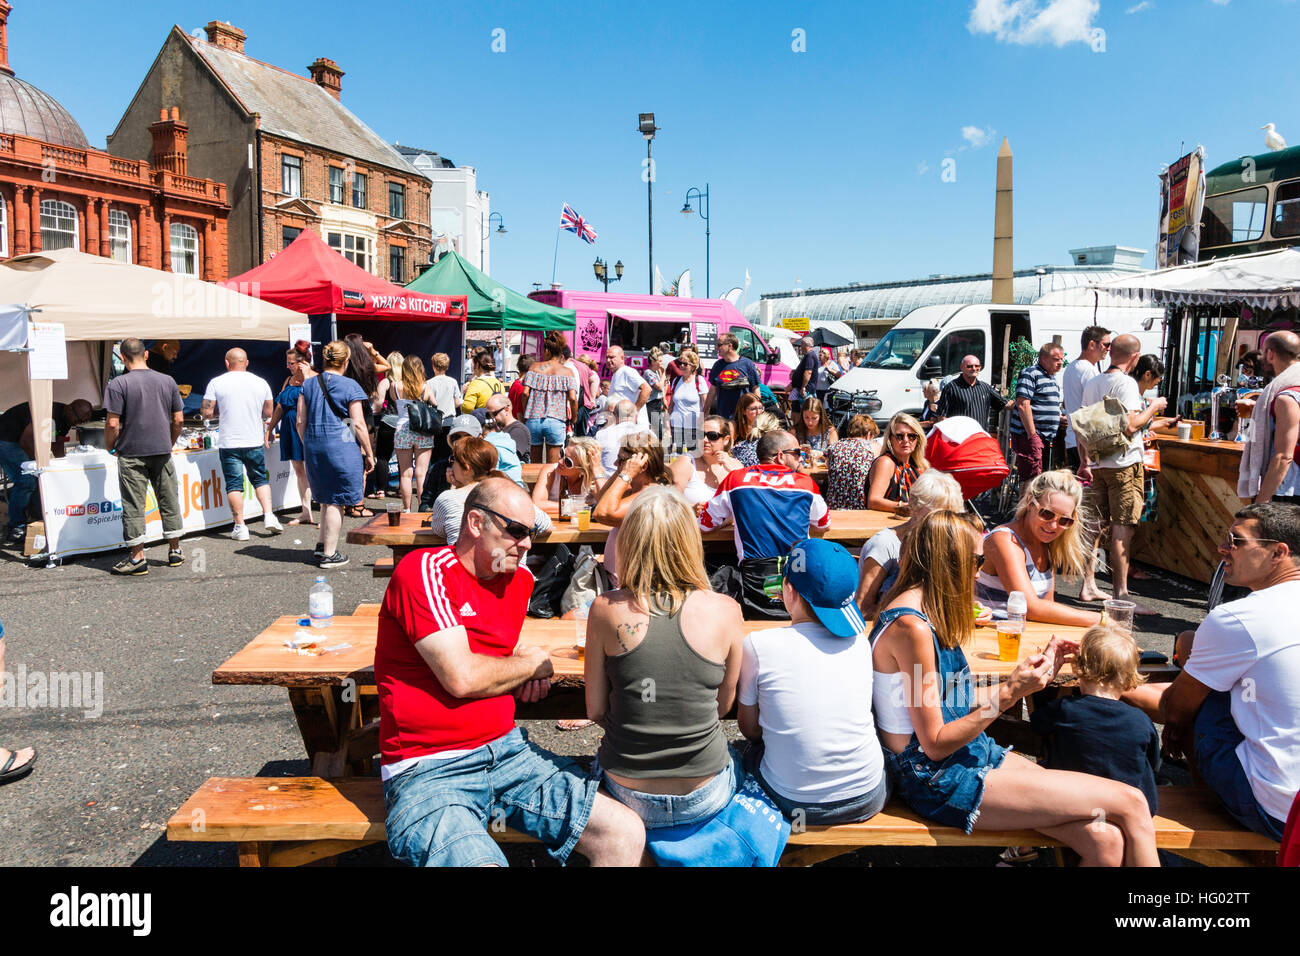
[[18, 438], [449, 668], [243, 402], [1281, 480]]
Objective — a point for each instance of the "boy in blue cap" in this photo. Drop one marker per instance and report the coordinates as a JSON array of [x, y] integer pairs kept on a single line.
[[805, 695]]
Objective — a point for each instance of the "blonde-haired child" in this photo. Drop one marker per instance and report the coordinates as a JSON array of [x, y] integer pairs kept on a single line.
[[1092, 730]]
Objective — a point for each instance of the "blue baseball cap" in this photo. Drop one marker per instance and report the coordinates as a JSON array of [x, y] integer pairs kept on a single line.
[[825, 575]]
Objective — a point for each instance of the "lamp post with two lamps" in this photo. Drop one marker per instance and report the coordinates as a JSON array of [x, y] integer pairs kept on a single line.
[[703, 197], [601, 268]]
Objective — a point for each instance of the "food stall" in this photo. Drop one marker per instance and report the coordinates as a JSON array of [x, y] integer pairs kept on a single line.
[[56, 342], [1217, 311]]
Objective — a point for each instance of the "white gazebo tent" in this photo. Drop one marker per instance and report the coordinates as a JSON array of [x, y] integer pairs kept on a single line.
[[99, 301], [1265, 281]]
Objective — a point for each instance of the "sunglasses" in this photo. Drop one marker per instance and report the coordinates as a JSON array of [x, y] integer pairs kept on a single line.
[[568, 462], [1235, 541], [713, 436], [979, 561], [1047, 514], [796, 451], [515, 529], [904, 436]]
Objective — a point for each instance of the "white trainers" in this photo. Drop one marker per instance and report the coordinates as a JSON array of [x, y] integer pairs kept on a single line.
[[273, 524], [239, 532]]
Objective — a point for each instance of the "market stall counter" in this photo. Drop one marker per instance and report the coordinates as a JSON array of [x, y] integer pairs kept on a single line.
[[1197, 496]]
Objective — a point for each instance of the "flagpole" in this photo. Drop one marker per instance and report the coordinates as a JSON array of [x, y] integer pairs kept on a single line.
[[555, 258]]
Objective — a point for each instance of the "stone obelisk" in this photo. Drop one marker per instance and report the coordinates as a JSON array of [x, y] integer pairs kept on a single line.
[[1003, 268]]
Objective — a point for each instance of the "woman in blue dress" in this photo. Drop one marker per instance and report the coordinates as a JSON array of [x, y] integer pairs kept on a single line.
[[946, 767], [336, 447], [285, 417]]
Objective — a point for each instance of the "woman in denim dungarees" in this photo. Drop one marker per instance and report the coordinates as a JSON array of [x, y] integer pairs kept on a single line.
[[948, 769]]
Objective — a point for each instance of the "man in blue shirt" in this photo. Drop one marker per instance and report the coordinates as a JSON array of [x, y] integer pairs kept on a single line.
[[1038, 411], [730, 377]]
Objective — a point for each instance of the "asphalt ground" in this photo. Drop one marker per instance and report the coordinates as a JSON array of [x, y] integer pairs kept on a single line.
[[105, 785]]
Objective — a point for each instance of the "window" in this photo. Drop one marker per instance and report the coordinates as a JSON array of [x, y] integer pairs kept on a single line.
[[748, 345], [58, 225], [185, 250], [336, 184], [900, 348], [359, 190], [287, 235], [356, 249], [637, 336], [397, 264], [956, 346], [291, 175], [119, 235], [1234, 217], [396, 201], [1286, 209]]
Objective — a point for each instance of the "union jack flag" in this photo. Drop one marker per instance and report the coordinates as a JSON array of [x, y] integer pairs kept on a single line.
[[574, 223]]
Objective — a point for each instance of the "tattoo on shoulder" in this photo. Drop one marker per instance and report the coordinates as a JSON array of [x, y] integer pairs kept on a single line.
[[628, 632]]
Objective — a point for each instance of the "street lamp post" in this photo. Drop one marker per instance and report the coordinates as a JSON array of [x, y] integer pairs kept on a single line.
[[601, 268], [646, 126], [483, 227], [703, 197]]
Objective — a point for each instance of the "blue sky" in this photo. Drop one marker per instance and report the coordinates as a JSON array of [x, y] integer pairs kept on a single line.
[[824, 164]]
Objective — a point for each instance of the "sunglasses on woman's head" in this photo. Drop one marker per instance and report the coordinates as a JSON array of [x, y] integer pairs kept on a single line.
[[1047, 514], [515, 529]]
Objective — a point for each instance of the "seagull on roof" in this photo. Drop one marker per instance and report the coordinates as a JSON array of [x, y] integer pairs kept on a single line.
[[1272, 138]]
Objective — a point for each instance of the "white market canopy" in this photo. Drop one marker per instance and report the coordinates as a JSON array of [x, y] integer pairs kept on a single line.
[[98, 299], [1263, 281]]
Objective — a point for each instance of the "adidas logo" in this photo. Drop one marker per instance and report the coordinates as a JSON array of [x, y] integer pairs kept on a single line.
[[467, 611]]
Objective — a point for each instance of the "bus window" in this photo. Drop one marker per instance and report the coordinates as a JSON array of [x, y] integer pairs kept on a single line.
[[956, 346], [1286, 209], [1234, 217], [748, 344]]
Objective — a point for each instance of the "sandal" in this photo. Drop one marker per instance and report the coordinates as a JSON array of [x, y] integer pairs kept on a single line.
[[358, 511], [9, 773], [572, 724]]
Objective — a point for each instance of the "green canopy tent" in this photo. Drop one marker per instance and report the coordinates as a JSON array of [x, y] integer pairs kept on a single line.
[[490, 304]]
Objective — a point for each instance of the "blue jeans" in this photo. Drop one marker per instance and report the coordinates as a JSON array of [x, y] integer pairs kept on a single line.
[[849, 810], [658, 810], [235, 460], [12, 457], [546, 431], [439, 811], [1217, 737]]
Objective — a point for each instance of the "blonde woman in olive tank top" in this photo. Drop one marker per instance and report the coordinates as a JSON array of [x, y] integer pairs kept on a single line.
[[662, 662]]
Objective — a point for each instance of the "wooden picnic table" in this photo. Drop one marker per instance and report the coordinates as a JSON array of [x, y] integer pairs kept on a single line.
[[334, 700], [531, 471]]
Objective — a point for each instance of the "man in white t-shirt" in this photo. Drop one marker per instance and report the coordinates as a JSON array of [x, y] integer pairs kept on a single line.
[[610, 438], [1095, 342], [243, 402], [625, 382], [1235, 708], [1117, 492], [805, 696]]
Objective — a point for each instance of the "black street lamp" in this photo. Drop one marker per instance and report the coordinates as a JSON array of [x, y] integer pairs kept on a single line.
[[703, 197], [601, 268], [646, 126], [483, 228]]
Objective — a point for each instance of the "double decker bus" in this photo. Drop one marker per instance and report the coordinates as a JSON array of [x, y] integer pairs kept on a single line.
[[1252, 204]]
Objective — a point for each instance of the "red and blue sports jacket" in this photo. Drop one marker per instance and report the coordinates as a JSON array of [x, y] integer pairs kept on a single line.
[[772, 507]]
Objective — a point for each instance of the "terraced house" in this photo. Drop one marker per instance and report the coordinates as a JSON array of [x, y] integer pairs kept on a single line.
[[292, 156]]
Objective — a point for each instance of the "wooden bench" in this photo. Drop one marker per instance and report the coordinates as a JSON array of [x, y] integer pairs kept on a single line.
[[289, 821]]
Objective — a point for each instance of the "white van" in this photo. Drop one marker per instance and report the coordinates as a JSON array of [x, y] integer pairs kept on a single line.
[[929, 343]]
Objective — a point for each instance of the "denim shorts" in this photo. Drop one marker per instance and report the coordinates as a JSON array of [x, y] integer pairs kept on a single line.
[[546, 431], [658, 810], [439, 811], [854, 809], [1217, 737], [235, 460], [948, 791]]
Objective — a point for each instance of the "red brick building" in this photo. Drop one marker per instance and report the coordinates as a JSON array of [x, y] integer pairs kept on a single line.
[[56, 192], [291, 154]]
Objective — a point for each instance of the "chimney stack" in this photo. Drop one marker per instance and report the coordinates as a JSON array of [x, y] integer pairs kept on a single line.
[[4, 38], [1004, 281], [169, 136], [225, 36], [327, 75]]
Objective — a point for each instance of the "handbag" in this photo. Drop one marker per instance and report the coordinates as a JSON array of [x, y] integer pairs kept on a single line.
[[423, 418], [1100, 426]]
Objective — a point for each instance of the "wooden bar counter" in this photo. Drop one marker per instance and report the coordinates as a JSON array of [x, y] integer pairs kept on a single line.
[[1197, 489]]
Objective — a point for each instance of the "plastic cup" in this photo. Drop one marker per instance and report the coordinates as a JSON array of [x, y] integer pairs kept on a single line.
[[584, 519], [1009, 640], [394, 514], [1118, 613], [1184, 431]]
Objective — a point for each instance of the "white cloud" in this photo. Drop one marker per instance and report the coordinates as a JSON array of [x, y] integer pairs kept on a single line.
[[1221, 3], [976, 137], [1028, 22], [1144, 5]]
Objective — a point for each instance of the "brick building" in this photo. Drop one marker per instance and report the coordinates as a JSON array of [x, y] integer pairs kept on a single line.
[[56, 192], [293, 156]]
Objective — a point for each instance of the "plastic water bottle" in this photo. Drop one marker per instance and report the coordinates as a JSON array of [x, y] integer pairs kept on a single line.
[[320, 603], [1017, 606]]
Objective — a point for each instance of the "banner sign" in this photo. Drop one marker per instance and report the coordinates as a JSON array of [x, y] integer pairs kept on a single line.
[[48, 358], [1182, 197], [82, 503]]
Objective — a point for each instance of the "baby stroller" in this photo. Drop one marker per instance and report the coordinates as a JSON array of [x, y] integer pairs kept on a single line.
[[960, 447]]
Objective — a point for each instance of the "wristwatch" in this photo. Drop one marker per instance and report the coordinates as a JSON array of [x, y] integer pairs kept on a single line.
[[625, 476]]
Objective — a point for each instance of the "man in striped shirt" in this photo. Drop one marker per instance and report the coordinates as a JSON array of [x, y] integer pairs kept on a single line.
[[1038, 411], [967, 395]]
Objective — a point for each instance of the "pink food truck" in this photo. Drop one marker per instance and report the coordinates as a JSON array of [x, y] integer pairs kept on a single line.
[[640, 322]]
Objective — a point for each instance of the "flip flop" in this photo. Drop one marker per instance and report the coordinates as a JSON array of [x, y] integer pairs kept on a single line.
[[8, 775], [572, 724]]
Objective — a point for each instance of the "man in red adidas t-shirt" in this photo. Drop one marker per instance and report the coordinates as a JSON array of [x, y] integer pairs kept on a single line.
[[449, 667]]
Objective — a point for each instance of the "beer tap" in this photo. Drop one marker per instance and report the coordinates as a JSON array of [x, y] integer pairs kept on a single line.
[[1225, 384]]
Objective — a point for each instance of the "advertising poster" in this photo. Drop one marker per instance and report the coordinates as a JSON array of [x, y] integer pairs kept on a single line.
[[1182, 196]]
